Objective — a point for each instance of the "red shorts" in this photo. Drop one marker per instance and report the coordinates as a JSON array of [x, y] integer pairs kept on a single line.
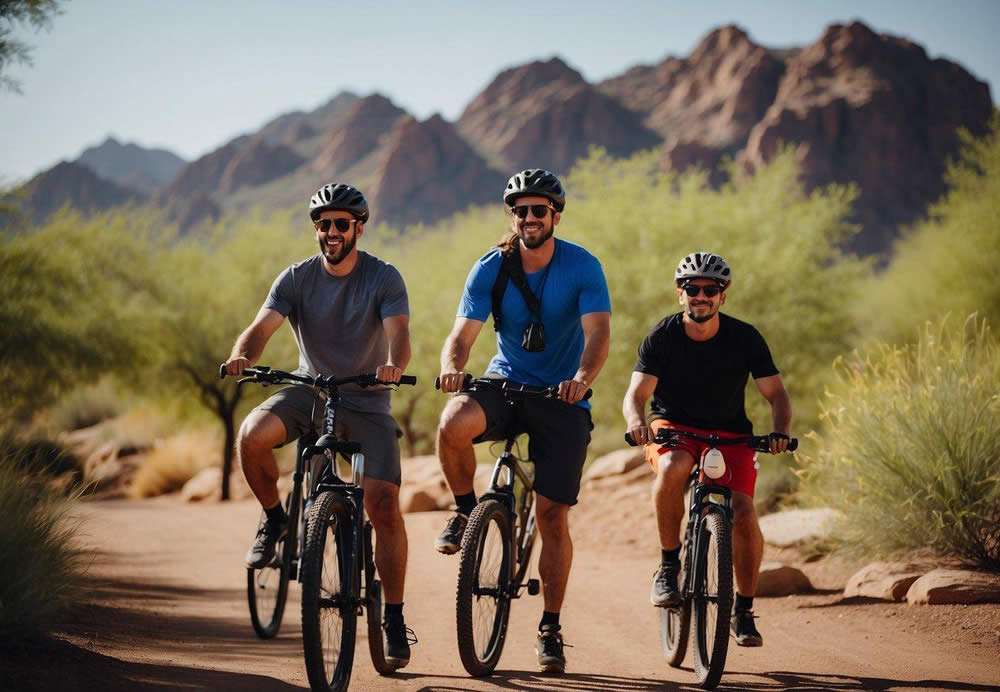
[[741, 461]]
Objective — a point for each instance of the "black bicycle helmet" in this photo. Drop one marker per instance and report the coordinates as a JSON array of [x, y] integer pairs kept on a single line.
[[535, 181], [704, 265], [339, 197]]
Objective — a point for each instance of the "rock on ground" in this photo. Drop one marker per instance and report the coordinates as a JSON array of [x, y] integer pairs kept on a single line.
[[955, 586], [784, 529], [777, 579], [888, 581]]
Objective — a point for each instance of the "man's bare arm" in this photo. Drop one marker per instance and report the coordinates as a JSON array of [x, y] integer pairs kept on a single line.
[[397, 333], [456, 350], [597, 339], [640, 388], [250, 344], [773, 389]]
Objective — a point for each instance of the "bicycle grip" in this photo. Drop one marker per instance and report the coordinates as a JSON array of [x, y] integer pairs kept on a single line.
[[793, 444], [408, 379], [466, 381], [629, 441], [222, 371]]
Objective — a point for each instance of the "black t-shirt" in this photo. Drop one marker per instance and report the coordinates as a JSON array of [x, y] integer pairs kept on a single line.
[[701, 383]]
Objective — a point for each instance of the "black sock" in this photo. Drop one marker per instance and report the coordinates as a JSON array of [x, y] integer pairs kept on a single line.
[[744, 602], [670, 557], [466, 503], [549, 619], [276, 514], [393, 610]]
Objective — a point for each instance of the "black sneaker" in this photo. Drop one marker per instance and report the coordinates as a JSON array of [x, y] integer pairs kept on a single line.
[[398, 638], [550, 650], [743, 629], [450, 540], [664, 593], [262, 551]]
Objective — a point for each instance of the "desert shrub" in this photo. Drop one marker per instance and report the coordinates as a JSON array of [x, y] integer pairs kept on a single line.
[[84, 407], [911, 449], [40, 571], [40, 458]]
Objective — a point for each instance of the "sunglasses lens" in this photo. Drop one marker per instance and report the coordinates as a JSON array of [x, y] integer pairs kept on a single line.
[[341, 225], [540, 211], [520, 212], [710, 291], [323, 225]]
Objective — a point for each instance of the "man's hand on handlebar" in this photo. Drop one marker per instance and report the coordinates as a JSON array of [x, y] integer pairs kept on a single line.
[[388, 373], [778, 442], [572, 391], [236, 366], [641, 434], [451, 381]]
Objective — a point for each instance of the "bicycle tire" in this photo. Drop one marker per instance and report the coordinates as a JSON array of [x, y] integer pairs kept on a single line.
[[374, 613], [711, 619], [329, 539], [267, 591], [481, 634], [675, 623]]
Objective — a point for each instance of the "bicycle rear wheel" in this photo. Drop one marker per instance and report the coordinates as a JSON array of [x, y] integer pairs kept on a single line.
[[267, 590], [483, 600], [713, 599], [374, 612], [329, 617]]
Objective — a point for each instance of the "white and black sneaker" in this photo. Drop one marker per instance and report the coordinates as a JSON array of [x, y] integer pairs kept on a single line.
[[743, 629]]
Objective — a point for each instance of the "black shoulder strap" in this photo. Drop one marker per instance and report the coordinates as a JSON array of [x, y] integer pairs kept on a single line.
[[511, 269]]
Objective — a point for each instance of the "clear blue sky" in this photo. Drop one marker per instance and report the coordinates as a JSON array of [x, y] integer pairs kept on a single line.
[[188, 75]]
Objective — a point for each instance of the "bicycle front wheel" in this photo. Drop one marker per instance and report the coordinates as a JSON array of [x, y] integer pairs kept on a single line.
[[483, 601], [675, 623], [329, 616], [267, 590], [713, 599]]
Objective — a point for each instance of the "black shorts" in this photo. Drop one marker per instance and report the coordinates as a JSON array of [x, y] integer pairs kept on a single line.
[[558, 435]]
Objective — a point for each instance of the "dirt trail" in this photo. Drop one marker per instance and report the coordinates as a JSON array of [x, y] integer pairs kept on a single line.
[[170, 612]]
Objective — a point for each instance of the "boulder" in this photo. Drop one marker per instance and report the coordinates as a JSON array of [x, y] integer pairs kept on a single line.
[[888, 581], [616, 463], [777, 579], [954, 586], [206, 485], [784, 529]]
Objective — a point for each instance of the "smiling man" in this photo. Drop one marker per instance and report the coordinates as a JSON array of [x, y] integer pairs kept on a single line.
[[554, 330], [695, 365], [350, 314]]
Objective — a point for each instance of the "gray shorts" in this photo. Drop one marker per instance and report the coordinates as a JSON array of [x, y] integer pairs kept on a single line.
[[300, 408]]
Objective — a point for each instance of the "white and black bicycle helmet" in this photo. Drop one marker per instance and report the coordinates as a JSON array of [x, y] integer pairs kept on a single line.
[[339, 197], [535, 181], [704, 265]]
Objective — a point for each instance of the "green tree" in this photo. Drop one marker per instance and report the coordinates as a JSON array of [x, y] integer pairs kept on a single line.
[[74, 306], [36, 13], [212, 287], [947, 263]]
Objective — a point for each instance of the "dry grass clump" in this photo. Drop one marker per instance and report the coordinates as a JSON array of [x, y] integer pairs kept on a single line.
[[912, 446], [173, 461], [40, 572]]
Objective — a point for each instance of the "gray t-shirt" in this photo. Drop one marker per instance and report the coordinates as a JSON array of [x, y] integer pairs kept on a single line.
[[337, 321]]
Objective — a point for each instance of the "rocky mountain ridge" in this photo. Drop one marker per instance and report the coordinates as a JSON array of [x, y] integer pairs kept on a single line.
[[855, 105]]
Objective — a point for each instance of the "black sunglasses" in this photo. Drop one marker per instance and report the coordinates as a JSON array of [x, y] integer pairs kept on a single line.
[[710, 291], [340, 224], [539, 211]]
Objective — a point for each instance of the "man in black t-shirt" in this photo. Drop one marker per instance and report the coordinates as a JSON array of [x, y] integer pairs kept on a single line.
[[695, 364]]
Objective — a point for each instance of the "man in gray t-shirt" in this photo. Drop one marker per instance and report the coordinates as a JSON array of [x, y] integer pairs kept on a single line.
[[349, 313]]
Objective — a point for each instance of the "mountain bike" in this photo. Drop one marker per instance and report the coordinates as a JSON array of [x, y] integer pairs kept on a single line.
[[327, 547], [497, 543], [706, 556]]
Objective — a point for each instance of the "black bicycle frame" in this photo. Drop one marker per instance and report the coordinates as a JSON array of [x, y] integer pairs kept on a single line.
[[700, 508]]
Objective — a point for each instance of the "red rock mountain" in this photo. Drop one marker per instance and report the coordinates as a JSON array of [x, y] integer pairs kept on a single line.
[[365, 123], [703, 105], [427, 171], [544, 114], [256, 164], [74, 185], [876, 110]]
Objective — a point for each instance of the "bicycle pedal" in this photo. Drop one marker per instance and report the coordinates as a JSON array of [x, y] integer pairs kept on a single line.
[[534, 587]]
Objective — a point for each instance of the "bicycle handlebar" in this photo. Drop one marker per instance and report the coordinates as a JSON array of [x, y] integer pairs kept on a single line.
[[470, 383], [759, 443], [266, 375]]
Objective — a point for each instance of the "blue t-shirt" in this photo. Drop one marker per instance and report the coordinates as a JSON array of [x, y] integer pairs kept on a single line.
[[572, 285]]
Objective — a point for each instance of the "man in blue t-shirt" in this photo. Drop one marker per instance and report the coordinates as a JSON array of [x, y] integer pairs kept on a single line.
[[562, 340]]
